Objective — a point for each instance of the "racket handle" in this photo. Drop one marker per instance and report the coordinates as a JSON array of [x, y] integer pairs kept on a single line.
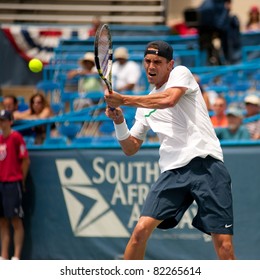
[[110, 92]]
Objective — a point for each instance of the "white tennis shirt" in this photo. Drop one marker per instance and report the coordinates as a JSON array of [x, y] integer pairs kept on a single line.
[[185, 130]]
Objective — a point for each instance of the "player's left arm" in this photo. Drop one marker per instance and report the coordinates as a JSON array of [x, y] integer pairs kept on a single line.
[[161, 100]]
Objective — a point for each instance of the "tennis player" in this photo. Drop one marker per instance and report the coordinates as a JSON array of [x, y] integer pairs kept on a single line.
[[191, 159]]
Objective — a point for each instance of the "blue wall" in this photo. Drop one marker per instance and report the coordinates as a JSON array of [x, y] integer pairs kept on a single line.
[[83, 204]]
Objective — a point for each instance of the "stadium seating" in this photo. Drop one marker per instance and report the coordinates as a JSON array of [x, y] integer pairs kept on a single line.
[[69, 130], [232, 81], [220, 89], [240, 86], [56, 141], [106, 128], [57, 108], [250, 53], [105, 141], [51, 89], [85, 140], [29, 140], [122, 11]]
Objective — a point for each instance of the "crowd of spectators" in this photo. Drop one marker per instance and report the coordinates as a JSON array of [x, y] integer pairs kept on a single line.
[[231, 121], [126, 75], [228, 121], [38, 109]]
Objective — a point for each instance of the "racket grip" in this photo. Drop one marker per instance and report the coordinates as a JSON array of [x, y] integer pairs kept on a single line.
[[110, 92]]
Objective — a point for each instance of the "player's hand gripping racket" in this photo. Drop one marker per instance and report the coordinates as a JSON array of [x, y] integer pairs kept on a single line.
[[104, 55]]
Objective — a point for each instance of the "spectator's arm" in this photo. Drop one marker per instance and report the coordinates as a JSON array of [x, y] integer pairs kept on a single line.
[[46, 113], [73, 73], [25, 169], [21, 115]]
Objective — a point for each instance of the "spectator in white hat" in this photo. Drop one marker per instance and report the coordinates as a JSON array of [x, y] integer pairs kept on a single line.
[[252, 105], [88, 80], [125, 73]]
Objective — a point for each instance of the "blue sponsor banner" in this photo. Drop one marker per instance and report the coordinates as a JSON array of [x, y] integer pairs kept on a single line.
[[84, 204]]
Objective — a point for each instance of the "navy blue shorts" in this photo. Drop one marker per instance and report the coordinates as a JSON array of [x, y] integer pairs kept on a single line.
[[11, 200], [205, 180]]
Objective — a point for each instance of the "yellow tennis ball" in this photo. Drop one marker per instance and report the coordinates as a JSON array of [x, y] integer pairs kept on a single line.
[[35, 65]]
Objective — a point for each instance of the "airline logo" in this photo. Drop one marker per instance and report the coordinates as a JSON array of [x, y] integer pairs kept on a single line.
[[106, 201], [89, 213]]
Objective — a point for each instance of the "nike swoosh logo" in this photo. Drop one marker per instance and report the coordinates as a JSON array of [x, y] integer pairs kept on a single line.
[[228, 226]]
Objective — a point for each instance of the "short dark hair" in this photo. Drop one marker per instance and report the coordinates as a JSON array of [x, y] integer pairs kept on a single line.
[[13, 97]]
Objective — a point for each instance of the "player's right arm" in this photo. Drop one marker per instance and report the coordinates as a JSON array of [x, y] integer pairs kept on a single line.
[[130, 144]]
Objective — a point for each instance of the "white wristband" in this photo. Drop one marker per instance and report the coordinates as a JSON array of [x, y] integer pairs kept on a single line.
[[122, 131]]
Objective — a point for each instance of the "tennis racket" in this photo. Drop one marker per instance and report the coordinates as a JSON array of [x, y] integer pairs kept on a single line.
[[104, 55]]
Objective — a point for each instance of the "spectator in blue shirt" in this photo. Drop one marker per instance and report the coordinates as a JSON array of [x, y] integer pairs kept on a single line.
[[235, 129]]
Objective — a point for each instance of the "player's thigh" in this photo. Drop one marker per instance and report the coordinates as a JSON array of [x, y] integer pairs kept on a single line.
[[169, 197], [214, 198]]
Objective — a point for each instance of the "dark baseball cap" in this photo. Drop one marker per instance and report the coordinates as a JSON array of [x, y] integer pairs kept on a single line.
[[6, 115], [161, 48]]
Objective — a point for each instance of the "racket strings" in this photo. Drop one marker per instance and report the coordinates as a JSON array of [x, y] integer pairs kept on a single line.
[[103, 51]]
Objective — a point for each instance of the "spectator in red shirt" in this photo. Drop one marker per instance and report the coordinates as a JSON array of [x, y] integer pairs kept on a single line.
[[253, 23], [14, 165]]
